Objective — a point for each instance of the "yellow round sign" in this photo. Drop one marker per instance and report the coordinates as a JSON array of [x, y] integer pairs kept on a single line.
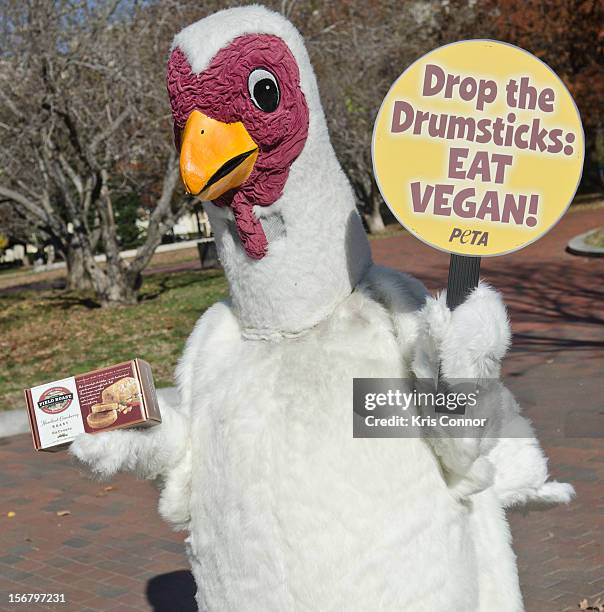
[[478, 148]]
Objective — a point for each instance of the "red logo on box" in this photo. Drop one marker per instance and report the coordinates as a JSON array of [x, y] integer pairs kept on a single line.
[[55, 400]]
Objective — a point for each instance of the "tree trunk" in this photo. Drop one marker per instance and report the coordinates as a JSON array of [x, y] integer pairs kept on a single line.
[[373, 218], [114, 287], [118, 292], [111, 283], [77, 277]]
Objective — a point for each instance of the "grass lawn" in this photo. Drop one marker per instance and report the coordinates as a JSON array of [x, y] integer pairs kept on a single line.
[[22, 276], [46, 335]]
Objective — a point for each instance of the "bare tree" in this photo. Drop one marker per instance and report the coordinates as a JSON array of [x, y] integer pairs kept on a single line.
[[14, 225], [84, 117]]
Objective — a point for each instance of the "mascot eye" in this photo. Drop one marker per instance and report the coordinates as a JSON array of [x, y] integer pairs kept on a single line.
[[263, 89]]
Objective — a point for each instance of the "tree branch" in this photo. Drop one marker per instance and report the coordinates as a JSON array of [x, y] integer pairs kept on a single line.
[[23, 201], [162, 217], [110, 129]]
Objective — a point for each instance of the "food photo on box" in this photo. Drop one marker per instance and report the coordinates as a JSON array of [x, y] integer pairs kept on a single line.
[[301, 306]]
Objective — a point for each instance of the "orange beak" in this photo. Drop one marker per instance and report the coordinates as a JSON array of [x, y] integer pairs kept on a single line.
[[215, 156]]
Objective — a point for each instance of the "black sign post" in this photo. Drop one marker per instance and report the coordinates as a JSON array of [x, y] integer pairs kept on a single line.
[[463, 278]]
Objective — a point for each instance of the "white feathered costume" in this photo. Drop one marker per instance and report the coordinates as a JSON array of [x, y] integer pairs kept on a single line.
[[284, 509]]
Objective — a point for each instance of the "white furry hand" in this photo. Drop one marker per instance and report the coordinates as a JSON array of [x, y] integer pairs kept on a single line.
[[100, 452], [469, 342], [146, 452]]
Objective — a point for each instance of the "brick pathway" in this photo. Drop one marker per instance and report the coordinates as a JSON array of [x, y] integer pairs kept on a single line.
[[112, 552]]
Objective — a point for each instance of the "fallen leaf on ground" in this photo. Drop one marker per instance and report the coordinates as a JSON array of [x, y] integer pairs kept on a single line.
[[11, 514], [63, 513], [596, 606]]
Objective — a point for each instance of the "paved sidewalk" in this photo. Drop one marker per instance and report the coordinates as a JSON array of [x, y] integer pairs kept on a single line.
[[112, 552]]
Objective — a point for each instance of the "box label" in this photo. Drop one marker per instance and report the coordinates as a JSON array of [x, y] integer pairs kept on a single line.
[[57, 412]]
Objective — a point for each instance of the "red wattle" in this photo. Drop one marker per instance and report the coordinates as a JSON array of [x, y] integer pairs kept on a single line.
[[250, 230]]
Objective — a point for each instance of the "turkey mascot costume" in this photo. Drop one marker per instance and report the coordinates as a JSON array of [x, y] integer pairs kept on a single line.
[[284, 509]]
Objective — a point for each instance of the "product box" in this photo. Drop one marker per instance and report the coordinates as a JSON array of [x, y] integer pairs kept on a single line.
[[114, 397]]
